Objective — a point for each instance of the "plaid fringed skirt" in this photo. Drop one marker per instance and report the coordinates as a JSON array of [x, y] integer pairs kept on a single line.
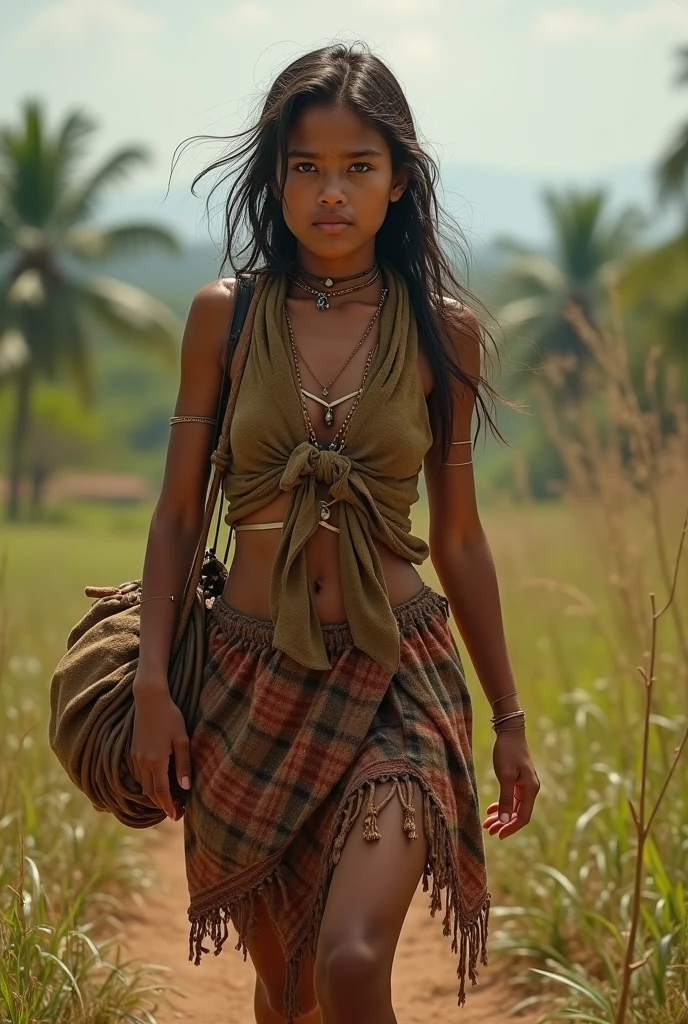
[[284, 758]]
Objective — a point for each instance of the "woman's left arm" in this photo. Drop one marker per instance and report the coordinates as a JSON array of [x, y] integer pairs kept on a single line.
[[461, 556]]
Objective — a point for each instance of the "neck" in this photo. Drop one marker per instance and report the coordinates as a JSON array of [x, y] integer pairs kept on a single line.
[[343, 266]]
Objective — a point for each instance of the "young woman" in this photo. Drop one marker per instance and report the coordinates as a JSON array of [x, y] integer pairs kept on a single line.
[[333, 683]]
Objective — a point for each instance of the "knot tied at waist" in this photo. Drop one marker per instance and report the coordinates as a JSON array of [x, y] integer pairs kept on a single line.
[[326, 466], [364, 591]]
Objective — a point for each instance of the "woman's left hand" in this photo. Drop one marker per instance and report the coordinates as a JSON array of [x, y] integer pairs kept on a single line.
[[518, 784]]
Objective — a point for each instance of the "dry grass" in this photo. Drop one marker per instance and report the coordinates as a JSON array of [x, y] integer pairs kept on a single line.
[[597, 888]]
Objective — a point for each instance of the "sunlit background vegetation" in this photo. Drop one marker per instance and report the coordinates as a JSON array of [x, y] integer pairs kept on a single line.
[[585, 512]]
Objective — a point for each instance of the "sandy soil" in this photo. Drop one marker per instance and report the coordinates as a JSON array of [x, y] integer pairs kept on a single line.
[[220, 989]]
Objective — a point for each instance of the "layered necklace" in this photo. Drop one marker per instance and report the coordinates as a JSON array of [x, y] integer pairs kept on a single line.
[[337, 443], [322, 297]]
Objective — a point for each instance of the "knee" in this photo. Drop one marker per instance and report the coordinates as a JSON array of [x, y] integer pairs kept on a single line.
[[350, 973]]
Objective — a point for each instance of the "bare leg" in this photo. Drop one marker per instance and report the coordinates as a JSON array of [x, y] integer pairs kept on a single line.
[[268, 960], [264, 1015], [368, 898]]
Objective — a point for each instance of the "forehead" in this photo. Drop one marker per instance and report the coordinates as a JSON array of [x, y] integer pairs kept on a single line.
[[334, 132]]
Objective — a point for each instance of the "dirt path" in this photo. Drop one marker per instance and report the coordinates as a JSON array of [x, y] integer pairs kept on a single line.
[[220, 989]]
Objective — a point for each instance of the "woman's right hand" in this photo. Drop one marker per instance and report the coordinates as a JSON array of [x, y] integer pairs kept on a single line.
[[159, 731]]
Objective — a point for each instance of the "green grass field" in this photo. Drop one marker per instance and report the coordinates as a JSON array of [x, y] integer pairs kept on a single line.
[[564, 884]]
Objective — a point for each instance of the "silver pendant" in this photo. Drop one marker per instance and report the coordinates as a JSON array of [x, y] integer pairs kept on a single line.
[[324, 511], [325, 392], [329, 282], [329, 416], [321, 301]]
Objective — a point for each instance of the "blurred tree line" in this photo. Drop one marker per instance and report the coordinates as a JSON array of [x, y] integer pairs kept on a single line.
[[52, 306], [88, 361], [591, 250]]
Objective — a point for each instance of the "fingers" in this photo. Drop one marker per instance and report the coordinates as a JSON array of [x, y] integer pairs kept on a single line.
[[518, 806], [155, 785], [161, 791], [182, 761], [492, 823], [506, 797]]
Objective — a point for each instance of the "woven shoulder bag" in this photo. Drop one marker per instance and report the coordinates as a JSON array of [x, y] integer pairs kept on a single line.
[[91, 700]]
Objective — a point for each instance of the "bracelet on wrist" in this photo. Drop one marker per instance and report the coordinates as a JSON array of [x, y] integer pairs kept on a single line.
[[508, 714], [498, 721]]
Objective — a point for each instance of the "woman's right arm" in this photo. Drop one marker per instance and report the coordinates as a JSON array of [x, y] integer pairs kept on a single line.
[[176, 523]]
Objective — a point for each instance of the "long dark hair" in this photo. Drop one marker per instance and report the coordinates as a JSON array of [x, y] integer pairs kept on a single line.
[[258, 239]]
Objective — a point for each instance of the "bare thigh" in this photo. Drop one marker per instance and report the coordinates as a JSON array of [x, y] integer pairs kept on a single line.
[[267, 958], [370, 891]]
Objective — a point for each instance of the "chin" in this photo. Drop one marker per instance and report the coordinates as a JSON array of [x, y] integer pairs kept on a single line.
[[324, 245]]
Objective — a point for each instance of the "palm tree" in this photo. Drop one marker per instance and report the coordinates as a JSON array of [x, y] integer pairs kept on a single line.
[[49, 308], [655, 282], [535, 287], [672, 170]]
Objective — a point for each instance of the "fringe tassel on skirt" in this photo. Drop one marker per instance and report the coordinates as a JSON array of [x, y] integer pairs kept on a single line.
[[285, 758]]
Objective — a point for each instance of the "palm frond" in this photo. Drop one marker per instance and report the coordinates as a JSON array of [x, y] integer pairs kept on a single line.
[[621, 237], [90, 242], [132, 316], [682, 76], [69, 144], [519, 311], [27, 182], [511, 246], [79, 203], [672, 171], [534, 273], [575, 217]]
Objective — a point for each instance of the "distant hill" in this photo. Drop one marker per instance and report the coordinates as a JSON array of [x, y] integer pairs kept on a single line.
[[136, 396], [486, 200], [175, 279]]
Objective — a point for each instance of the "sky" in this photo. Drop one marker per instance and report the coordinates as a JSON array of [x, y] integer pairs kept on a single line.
[[503, 91]]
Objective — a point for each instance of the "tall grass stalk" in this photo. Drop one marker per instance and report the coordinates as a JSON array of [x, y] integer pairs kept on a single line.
[[598, 903], [64, 870], [642, 822], [52, 969]]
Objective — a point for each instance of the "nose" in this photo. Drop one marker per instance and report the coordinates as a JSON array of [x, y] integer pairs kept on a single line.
[[332, 191]]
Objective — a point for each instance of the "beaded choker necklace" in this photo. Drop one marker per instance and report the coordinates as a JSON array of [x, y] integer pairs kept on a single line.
[[321, 298], [329, 281]]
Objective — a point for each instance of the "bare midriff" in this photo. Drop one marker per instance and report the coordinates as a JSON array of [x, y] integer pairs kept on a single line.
[[247, 588]]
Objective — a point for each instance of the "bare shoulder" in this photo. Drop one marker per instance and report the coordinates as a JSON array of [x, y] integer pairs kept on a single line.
[[465, 335], [211, 314]]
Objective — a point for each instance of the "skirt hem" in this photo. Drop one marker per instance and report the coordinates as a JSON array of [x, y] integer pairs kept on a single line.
[[210, 913]]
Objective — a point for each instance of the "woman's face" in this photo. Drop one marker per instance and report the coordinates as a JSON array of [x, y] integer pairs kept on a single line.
[[338, 167]]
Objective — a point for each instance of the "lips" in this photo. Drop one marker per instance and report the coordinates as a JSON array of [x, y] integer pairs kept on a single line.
[[332, 224], [335, 219]]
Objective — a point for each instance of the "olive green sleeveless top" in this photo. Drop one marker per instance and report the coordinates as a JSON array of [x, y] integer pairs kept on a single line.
[[374, 479]]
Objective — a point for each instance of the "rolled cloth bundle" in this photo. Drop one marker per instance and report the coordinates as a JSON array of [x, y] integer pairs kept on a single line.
[[92, 706], [91, 699]]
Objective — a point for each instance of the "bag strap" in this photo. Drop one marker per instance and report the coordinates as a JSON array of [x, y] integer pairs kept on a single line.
[[245, 287], [244, 293], [221, 454]]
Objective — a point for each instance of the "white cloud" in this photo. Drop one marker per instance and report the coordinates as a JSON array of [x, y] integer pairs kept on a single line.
[[406, 8], [247, 15], [418, 49], [76, 20], [660, 15], [571, 24]]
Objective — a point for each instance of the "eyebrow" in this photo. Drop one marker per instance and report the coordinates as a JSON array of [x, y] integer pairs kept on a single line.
[[356, 153]]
